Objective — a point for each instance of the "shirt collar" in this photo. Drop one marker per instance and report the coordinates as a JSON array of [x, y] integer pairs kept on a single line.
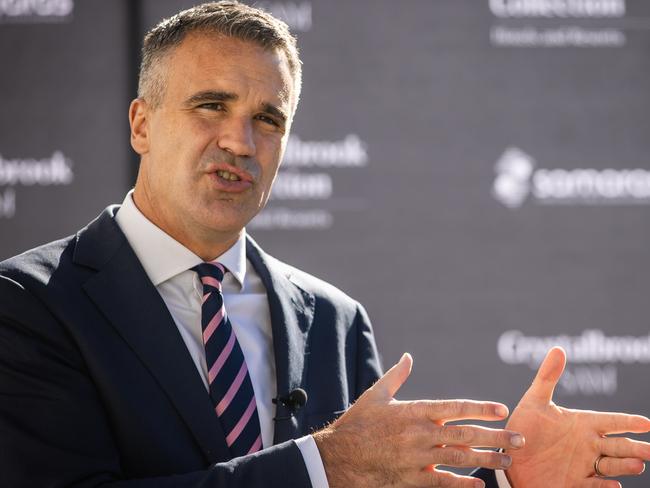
[[162, 256]]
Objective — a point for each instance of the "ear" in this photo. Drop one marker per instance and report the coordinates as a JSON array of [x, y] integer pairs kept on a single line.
[[139, 122]]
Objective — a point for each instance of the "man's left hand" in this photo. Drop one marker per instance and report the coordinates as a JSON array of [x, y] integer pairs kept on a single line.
[[562, 445]]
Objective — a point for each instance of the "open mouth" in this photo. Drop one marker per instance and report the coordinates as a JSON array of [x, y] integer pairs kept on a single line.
[[227, 175], [231, 180]]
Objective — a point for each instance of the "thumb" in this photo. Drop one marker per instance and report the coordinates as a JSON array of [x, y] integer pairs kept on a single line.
[[394, 378], [548, 374]]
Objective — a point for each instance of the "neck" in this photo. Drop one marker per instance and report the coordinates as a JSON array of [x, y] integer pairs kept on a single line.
[[208, 245]]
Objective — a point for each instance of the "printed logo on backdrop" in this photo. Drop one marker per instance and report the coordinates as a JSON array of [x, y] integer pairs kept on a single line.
[[16, 173], [593, 357], [518, 181], [304, 194], [36, 11], [557, 23], [297, 15]]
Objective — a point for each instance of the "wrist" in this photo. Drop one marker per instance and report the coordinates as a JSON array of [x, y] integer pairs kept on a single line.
[[339, 465]]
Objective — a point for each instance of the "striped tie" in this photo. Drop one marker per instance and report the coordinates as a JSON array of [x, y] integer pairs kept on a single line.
[[231, 389]]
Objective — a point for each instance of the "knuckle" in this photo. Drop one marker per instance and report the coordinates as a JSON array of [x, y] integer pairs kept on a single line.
[[636, 449], [463, 408], [494, 459], [486, 459], [487, 410], [452, 457], [436, 480], [410, 409], [449, 434], [608, 446], [446, 408], [600, 443], [629, 447], [453, 408], [633, 449], [457, 457], [433, 479], [466, 435], [442, 434], [607, 465], [418, 408], [504, 439]]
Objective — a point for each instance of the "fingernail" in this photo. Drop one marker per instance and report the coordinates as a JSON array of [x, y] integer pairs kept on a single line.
[[479, 484], [517, 441], [501, 411], [506, 461]]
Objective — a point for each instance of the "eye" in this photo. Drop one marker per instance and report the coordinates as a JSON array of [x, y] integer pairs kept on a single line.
[[212, 106], [268, 120]]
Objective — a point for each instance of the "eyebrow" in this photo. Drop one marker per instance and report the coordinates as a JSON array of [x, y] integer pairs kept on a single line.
[[211, 96], [221, 96], [275, 111]]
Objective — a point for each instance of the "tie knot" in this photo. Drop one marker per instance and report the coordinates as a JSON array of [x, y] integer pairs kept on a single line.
[[211, 274]]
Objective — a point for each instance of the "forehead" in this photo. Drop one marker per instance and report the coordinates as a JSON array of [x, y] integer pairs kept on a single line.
[[205, 61]]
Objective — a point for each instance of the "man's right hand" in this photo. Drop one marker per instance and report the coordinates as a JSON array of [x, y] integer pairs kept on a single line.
[[383, 442]]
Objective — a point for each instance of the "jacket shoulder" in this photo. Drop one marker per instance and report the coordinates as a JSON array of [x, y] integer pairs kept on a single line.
[[318, 287], [37, 264], [66, 257]]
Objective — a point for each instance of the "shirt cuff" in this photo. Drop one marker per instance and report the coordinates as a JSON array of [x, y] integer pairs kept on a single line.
[[502, 481], [314, 463]]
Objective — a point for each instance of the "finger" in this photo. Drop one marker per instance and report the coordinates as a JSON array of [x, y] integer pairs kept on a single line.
[[548, 374], [476, 436], [619, 423], [613, 467], [464, 457], [599, 483], [450, 410], [431, 477], [394, 378], [621, 447]]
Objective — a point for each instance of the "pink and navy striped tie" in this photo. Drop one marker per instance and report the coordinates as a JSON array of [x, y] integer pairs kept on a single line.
[[231, 389]]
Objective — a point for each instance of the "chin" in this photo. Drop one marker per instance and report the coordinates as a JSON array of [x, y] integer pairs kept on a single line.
[[224, 217], [227, 226]]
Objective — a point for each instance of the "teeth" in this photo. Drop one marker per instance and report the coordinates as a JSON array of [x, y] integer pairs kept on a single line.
[[227, 175]]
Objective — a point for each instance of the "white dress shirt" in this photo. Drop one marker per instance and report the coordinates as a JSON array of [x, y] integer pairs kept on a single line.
[[168, 265]]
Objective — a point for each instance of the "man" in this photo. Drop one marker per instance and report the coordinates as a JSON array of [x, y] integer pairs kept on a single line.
[[161, 347]]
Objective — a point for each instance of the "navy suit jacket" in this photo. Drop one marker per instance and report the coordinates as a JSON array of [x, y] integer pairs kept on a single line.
[[97, 387]]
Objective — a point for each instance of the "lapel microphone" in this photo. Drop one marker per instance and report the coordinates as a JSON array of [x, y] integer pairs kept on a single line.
[[293, 401]]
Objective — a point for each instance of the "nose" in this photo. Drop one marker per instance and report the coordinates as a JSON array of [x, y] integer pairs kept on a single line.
[[236, 137]]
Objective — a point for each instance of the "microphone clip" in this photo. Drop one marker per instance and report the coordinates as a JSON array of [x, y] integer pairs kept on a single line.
[[293, 401]]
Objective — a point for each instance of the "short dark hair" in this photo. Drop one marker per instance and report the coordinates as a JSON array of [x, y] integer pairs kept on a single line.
[[227, 18]]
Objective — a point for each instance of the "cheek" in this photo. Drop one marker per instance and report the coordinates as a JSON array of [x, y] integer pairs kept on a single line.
[[180, 160], [269, 152], [172, 179]]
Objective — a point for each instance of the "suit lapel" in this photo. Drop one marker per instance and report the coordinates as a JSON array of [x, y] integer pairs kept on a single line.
[[132, 305], [292, 313]]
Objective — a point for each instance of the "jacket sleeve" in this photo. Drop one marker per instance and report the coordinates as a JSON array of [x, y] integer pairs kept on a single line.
[[368, 365], [55, 432]]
